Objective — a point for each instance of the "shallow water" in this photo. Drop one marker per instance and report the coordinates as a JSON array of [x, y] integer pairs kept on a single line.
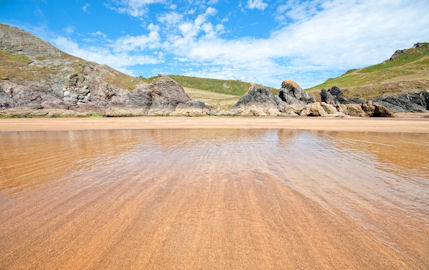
[[213, 199]]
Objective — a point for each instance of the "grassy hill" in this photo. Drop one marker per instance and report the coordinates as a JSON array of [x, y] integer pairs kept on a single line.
[[407, 70], [229, 87], [221, 94]]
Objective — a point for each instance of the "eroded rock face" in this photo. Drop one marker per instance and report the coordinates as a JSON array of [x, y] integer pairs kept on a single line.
[[258, 101], [44, 77], [335, 96], [20, 42], [406, 102], [261, 102], [292, 93], [90, 92]]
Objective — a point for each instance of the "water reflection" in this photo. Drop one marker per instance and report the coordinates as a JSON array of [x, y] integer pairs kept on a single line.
[[245, 193]]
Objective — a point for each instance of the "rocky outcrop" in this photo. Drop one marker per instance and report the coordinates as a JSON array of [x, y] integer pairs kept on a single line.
[[292, 93], [372, 109], [162, 96], [261, 102], [41, 77], [258, 101], [16, 41], [405, 102], [335, 96], [417, 101]]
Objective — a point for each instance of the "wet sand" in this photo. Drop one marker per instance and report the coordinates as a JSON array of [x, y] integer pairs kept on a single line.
[[213, 199], [414, 125]]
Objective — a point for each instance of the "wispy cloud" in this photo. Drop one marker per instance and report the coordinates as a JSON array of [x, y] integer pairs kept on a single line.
[[69, 29], [313, 39], [108, 55], [256, 4], [134, 8], [85, 7]]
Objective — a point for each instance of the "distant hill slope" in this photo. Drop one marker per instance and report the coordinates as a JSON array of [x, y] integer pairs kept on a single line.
[[230, 87], [406, 70], [25, 57]]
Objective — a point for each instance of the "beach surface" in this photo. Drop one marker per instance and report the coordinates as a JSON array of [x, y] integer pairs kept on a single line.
[[213, 198], [410, 124]]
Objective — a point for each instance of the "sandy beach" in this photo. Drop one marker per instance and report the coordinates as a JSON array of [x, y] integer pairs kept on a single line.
[[414, 125], [213, 198]]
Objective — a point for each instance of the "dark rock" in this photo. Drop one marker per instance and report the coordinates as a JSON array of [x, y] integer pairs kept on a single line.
[[381, 111], [257, 95], [396, 54], [405, 102], [335, 95], [292, 93], [257, 102]]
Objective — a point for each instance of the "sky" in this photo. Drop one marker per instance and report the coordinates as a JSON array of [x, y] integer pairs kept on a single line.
[[263, 41]]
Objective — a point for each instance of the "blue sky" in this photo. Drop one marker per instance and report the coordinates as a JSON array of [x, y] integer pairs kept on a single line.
[[265, 41]]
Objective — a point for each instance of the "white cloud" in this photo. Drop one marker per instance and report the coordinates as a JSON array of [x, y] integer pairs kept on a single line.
[[256, 4], [105, 55], [313, 40], [69, 29], [170, 19], [340, 35], [85, 7], [135, 8], [140, 43]]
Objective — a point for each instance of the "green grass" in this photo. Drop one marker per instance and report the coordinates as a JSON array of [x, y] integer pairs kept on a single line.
[[216, 100], [17, 67], [234, 87], [382, 78]]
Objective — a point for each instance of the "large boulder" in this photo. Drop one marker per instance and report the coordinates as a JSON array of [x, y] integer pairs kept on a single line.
[[313, 109], [375, 110], [258, 101], [335, 95], [166, 93], [292, 93]]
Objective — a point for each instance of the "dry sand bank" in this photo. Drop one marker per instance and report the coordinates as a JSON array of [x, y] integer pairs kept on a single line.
[[414, 125]]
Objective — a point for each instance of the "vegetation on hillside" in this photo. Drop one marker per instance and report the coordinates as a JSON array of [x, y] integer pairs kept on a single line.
[[410, 67], [216, 100], [230, 87], [18, 67]]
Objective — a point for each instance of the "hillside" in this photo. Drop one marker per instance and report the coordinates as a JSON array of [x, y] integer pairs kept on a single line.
[[407, 70], [229, 87], [27, 58]]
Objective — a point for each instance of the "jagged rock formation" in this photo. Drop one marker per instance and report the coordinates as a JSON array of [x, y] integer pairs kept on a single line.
[[258, 101], [261, 102], [292, 93], [405, 102], [38, 79], [335, 95], [36, 75]]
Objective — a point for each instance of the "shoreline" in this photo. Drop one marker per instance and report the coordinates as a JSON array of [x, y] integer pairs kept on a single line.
[[390, 125]]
